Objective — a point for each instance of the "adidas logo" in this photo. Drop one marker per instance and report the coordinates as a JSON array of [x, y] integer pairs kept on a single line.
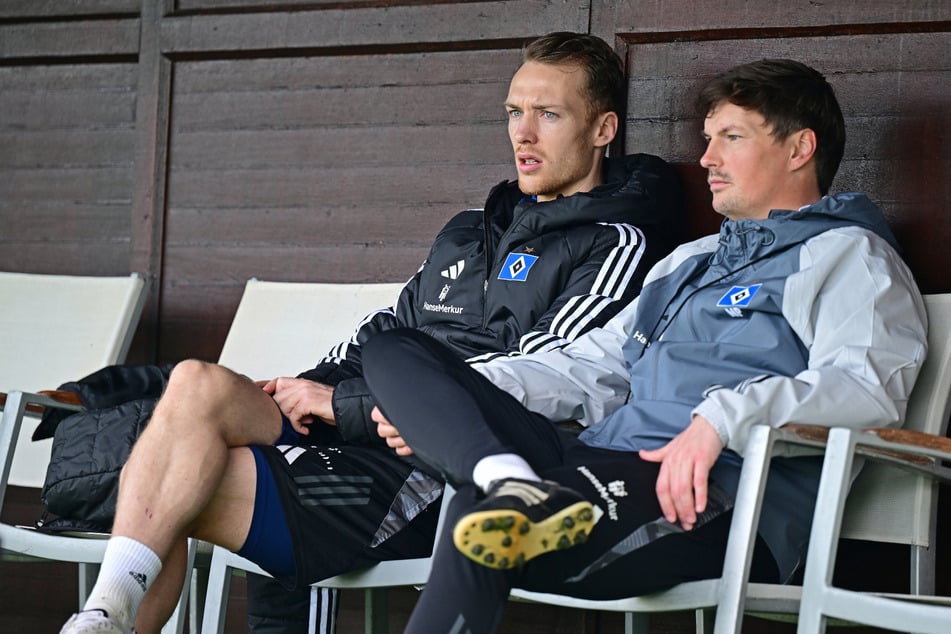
[[139, 579], [529, 494], [454, 271]]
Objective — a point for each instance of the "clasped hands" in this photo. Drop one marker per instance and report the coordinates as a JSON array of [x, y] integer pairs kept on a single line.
[[303, 401]]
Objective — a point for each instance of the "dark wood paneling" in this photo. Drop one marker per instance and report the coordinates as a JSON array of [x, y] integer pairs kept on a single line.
[[50, 40], [416, 25], [305, 73], [334, 263], [217, 6], [50, 147], [65, 8], [34, 186], [321, 169], [350, 186], [406, 144], [66, 143], [153, 100], [610, 18], [93, 97], [407, 224], [79, 223]]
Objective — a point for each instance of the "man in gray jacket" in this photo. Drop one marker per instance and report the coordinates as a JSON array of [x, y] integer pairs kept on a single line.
[[800, 310]]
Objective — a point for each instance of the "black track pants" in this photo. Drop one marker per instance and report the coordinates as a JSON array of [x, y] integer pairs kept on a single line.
[[453, 417]]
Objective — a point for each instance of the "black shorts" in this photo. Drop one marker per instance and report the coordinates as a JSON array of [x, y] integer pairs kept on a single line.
[[349, 506]]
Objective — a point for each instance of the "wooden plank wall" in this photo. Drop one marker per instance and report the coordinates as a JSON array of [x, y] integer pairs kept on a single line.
[[287, 141], [202, 142]]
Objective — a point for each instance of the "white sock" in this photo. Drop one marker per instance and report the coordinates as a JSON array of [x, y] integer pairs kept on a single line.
[[128, 570], [500, 466]]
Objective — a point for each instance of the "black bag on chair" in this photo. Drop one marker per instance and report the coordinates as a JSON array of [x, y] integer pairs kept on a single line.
[[90, 447], [112, 385], [89, 450]]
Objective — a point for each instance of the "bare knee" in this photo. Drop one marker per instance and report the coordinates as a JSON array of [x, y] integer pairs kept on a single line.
[[202, 385], [199, 377], [206, 398]]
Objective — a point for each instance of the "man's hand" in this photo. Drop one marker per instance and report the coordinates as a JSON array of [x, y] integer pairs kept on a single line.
[[384, 429], [685, 467], [302, 401]]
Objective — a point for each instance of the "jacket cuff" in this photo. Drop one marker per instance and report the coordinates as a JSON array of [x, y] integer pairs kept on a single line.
[[716, 417], [352, 405]]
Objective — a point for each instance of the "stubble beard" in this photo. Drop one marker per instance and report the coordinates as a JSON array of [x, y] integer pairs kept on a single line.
[[549, 185]]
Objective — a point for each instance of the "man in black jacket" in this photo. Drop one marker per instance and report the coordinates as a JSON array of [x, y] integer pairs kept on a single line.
[[257, 470], [578, 274]]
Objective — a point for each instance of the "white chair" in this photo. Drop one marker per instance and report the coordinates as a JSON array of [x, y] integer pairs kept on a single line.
[[53, 329], [284, 328], [920, 611], [884, 506], [58, 328], [895, 500], [281, 329], [374, 581], [910, 514]]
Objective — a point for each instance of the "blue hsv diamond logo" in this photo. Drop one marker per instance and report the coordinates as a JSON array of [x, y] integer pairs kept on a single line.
[[738, 296], [517, 266]]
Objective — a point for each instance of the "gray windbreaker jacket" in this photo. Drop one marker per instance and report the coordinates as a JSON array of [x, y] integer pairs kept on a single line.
[[809, 316]]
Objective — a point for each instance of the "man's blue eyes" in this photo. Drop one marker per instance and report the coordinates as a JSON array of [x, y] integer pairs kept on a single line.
[[515, 114]]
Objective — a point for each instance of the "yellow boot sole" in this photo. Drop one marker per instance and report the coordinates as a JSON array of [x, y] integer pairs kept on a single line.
[[505, 539]]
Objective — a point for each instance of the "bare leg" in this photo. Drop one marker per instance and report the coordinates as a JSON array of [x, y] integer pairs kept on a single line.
[[190, 471], [225, 521], [178, 463], [162, 597]]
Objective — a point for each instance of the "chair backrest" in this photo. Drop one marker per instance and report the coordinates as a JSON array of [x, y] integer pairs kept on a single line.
[[889, 505], [284, 328], [58, 328]]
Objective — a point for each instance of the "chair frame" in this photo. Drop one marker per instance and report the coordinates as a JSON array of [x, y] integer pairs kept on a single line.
[[19, 543], [821, 600], [242, 352], [26, 544], [731, 595], [374, 580]]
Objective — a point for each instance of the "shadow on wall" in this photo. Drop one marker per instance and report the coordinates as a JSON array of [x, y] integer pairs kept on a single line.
[[920, 190]]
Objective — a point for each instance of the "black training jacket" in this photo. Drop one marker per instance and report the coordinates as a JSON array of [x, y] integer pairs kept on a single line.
[[521, 277]]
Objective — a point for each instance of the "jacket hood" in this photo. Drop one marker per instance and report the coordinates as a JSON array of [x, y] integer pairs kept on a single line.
[[850, 208], [784, 227], [639, 189]]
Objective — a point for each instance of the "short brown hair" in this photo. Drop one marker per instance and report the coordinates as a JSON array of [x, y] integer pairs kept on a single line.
[[791, 97], [606, 86]]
